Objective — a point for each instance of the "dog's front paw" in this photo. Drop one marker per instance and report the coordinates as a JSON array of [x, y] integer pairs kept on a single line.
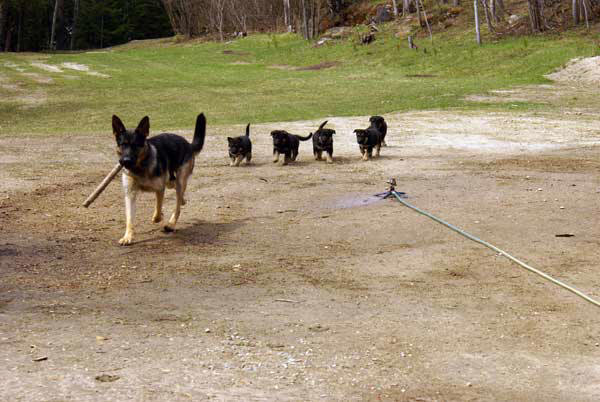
[[126, 240], [157, 218]]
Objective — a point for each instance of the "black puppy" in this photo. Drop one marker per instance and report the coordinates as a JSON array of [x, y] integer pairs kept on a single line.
[[240, 148], [378, 123], [367, 140], [323, 142], [286, 144]]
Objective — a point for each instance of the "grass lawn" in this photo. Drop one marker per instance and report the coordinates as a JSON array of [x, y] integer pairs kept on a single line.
[[252, 80]]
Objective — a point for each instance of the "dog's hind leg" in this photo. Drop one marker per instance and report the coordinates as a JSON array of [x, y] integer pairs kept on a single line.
[[130, 196], [378, 150], [158, 216], [276, 157], [248, 157], [329, 157], [170, 227], [180, 186], [318, 155]]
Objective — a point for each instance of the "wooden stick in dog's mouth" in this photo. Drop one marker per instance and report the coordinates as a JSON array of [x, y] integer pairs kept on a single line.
[[103, 185]]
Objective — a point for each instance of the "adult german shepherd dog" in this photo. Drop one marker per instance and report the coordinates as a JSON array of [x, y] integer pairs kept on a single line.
[[154, 164]]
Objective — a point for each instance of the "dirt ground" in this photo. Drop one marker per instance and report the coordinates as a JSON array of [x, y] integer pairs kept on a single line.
[[295, 283]]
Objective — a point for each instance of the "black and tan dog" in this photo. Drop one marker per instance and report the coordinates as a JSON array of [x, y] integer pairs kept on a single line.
[[286, 144], [367, 140], [240, 148], [154, 164], [379, 124], [323, 142]]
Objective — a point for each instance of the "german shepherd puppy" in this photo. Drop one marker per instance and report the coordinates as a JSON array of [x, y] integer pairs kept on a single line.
[[367, 140], [379, 124], [323, 142], [240, 148], [153, 164], [286, 144]]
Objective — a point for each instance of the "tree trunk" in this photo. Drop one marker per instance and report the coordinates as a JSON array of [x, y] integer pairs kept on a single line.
[[75, 18], [575, 9], [477, 30], [3, 15], [52, 43], [287, 15], [419, 12], [499, 10], [488, 18], [536, 15], [102, 30], [395, 4], [20, 27], [405, 7], [304, 20], [586, 7]]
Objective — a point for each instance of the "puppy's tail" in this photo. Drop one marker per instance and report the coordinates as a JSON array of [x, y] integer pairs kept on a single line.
[[248, 130], [322, 125], [308, 137], [199, 133]]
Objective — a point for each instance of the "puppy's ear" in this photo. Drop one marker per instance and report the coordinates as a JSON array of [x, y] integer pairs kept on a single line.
[[144, 126], [272, 133], [229, 140], [118, 126]]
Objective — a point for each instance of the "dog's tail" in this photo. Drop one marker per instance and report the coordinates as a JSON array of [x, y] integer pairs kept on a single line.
[[199, 133], [322, 125], [308, 137], [248, 130]]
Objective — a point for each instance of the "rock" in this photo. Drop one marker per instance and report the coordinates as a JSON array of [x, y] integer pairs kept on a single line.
[[318, 328], [338, 32], [107, 378], [513, 19], [322, 41], [383, 14]]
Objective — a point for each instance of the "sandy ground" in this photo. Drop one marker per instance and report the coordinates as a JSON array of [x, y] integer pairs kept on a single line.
[[295, 283]]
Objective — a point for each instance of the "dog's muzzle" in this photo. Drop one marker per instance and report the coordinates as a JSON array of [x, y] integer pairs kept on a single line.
[[126, 162]]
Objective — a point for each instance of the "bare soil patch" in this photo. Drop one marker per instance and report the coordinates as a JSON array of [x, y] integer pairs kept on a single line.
[[583, 71], [321, 66], [315, 67], [236, 53], [294, 282]]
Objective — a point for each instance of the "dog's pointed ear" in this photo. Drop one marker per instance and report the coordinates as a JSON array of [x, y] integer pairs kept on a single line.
[[229, 139], [272, 133], [323, 124], [118, 126], [144, 126]]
